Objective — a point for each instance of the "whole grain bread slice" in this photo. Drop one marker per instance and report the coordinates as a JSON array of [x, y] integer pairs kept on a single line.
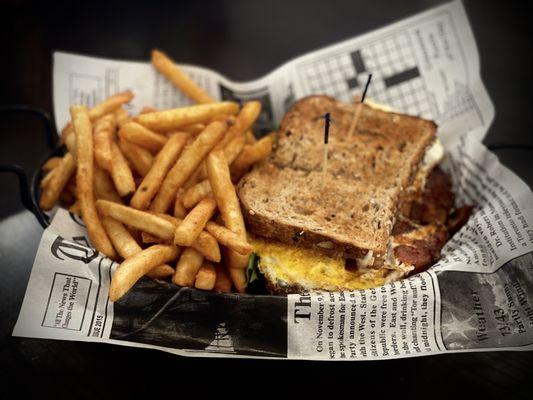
[[352, 212], [292, 206], [386, 146]]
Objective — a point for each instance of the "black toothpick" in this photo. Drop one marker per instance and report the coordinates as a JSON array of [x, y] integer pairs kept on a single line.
[[366, 88], [326, 128], [326, 138]]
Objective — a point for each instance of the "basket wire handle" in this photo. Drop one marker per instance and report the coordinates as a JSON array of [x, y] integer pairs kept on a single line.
[[25, 196], [51, 140], [44, 117]]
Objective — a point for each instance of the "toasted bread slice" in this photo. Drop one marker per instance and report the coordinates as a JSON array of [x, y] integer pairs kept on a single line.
[[293, 207], [386, 146], [352, 212]]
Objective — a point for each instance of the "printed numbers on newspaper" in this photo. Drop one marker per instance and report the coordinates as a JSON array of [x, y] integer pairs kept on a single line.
[[97, 325]]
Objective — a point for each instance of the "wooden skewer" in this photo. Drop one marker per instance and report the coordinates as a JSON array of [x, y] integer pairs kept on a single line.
[[355, 118], [325, 165], [359, 109]]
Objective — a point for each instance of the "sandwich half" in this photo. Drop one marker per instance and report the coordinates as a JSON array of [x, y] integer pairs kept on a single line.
[[379, 214]]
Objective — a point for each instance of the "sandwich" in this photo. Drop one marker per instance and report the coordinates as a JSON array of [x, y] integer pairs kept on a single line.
[[383, 210]]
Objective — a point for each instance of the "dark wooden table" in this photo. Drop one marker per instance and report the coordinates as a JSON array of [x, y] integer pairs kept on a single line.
[[243, 40]]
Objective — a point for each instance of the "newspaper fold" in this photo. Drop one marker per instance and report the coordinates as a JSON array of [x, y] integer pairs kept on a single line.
[[479, 296]]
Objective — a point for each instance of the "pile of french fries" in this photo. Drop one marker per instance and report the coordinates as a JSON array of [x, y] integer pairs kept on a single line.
[[157, 190]]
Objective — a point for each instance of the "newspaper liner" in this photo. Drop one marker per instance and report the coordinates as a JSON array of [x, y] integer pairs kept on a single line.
[[478, 297]]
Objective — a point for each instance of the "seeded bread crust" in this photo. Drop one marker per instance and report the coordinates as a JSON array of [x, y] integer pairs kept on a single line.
[[283, 198]]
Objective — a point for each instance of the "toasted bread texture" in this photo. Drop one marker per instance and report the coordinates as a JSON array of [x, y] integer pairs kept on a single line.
[[352, 211]]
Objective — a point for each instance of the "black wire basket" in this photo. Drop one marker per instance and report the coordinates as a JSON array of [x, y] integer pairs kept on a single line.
[[30, 191], [244, 315]]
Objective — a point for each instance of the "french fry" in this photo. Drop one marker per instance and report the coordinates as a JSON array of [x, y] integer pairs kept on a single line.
[[134, 267], [223, 281], [122, 240], [231, 150], [250, 155], [187, 267], [189, 160], [194, 223], [228, 204], [193, 129], [58, 179], [121, 172], [103, 131], [247, 116], [206, 276], [202, 189], [196, 193], [173, 220], [75, 208], [229, 238], [195, 177], [180, 79], [121, 116], [110, 104], [46, 180], [105, 107], [162, 271], [103, 186], [70, 143], [238, 277], [126, 246], [51, 163], [140, 159], [227, 118], [147, 109], [85, 180], [206, 244], [148, 239], [176, 118], [162, 164], [179, 208], [141, 220], [250, 137], [138, 134]]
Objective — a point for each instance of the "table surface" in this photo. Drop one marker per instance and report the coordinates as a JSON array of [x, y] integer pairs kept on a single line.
[[243, 40]]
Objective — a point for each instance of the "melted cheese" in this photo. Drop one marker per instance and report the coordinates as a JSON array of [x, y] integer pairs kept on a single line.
[[291, 265], [434, 155], [379, 106]]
